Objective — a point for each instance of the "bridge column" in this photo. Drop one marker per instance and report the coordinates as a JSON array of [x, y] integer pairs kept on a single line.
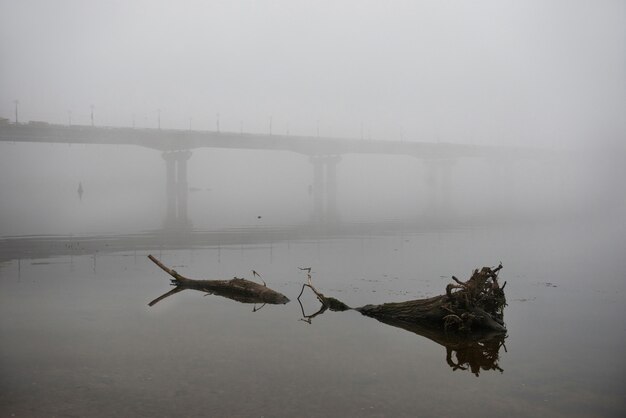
[[332, 213], [438, 178], [325, 188], [176, 189], [445, 166], [318, 188], [182, 188], [170, 187], [501, 182]]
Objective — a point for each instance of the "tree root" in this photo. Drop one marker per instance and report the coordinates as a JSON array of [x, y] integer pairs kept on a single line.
[[475, 304]]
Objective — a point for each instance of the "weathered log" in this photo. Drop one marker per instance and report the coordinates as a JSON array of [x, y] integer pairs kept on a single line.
[[467, 306], [472, 339], [241, 290]]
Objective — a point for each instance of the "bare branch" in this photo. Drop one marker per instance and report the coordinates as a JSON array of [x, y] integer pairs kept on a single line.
[[254, 273], [163, 296], [255, 309], [168, 270]]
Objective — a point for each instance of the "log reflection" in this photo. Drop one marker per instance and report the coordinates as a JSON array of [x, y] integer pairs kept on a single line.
[[475, 352]]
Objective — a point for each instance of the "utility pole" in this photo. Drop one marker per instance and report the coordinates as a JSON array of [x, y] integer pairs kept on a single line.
[[69, 118], [159, 118], [240, 127], [92, 106], [17, 120], [318, 128], [270, 126], [217, 121]]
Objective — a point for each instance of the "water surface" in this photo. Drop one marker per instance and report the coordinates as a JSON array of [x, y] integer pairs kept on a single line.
[[78, 338]]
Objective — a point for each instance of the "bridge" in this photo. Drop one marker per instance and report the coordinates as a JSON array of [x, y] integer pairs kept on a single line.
[[324, 154], [169, 140]]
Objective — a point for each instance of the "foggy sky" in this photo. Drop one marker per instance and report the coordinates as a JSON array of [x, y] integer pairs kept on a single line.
[[511, 72]]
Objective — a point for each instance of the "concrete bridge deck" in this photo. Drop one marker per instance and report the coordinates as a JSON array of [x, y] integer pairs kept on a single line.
[[173, 140]]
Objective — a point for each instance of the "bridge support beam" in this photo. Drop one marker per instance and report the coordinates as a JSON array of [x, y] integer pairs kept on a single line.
[[325, 188], [176, 189]]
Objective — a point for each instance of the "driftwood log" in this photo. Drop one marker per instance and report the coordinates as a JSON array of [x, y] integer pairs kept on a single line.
[[476, 304], [241, 290]]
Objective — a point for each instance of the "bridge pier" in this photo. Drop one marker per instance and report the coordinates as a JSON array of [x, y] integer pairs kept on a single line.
[[439, 183], [325, 188], [176, 189]]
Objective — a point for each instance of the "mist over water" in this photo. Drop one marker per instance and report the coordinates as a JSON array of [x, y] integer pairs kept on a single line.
[[75, 295], [534, 90], [124, 188]]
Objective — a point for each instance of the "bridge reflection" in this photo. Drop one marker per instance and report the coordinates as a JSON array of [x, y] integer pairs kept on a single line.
[[33, 247]]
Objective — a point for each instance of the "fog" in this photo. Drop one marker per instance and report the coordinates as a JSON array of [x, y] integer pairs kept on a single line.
[[390, 146], [546, 75], [125, 189]]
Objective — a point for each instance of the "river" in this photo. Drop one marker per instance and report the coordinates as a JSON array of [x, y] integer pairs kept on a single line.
[[79, 339]]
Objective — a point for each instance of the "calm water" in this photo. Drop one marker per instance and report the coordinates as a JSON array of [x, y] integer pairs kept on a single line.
[[78, 338]]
